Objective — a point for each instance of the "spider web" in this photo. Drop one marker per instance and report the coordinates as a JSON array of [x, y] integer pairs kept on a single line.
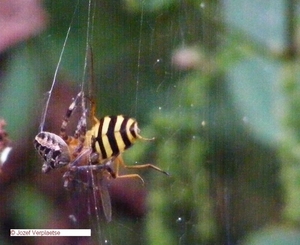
[[104, 233], [189, 71], [92, 202]]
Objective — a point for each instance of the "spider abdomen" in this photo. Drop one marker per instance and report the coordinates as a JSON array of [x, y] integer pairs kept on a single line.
[[113, 135], [53, 149]]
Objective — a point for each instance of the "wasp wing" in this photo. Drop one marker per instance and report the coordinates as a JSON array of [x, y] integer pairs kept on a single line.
[[105, 199]]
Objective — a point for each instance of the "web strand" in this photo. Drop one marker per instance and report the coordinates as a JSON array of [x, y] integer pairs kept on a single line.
[[89, 61], [44, 114], [139, 58], [88, 42]]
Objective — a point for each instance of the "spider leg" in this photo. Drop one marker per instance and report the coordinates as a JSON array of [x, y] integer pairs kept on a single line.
[[72, 180], [95, 182], [71, 177], [79, 135], [81, 126], [69, 112]]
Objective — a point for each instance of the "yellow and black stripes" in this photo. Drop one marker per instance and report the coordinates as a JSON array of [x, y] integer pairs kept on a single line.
[[114, 134]]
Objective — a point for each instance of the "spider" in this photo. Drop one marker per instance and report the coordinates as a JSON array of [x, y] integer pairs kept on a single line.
[[90, 150]]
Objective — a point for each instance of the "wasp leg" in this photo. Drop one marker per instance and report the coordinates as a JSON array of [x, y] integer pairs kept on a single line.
[[120, 162]]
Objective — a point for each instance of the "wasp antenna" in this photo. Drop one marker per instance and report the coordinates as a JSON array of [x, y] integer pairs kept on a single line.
[[146, 139]]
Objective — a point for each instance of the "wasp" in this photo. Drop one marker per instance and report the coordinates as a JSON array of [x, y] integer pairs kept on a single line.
[[98, 149]]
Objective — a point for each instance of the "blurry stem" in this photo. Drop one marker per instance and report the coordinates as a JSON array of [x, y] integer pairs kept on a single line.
[[289, 150], [291, 29]]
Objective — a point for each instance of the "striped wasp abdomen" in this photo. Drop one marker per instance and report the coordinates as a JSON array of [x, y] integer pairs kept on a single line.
[[113, 135]]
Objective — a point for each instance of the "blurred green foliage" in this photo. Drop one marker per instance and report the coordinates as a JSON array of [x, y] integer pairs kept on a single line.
[[275, 236], [290, 143], [186, 213]]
